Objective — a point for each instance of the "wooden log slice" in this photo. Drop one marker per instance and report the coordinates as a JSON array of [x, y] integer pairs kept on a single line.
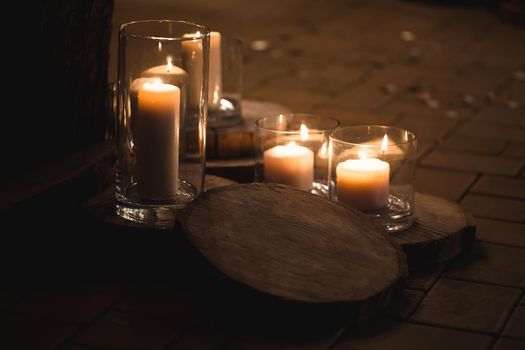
[[212, 182], [442, 230], [236, 141], [292, 244]]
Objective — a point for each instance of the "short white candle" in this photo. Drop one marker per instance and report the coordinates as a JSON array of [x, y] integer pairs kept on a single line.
[[363, 183], [290, 164], [156, 137]]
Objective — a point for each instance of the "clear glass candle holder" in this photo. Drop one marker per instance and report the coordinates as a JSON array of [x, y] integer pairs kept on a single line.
[[162, 109], [372, 169], [225, 87], [292, 149]]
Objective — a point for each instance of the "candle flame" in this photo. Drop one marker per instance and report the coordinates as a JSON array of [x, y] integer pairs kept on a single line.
[[323, 152], [216, 97], [160, 46], [362, 154], [384, 144], [169, 64], [304, 132]]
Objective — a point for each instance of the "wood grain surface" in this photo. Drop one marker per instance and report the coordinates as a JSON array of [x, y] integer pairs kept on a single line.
[[442, 230], [292, 244]]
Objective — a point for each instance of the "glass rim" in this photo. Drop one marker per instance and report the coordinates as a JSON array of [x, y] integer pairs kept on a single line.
[[293, 132], [124, 30], [412, 137]]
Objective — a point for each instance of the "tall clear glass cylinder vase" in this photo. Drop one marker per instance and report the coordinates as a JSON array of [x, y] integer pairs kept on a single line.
[[162, 111]]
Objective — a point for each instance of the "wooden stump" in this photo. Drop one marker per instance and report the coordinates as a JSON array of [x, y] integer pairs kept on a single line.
[[292, 244], [230, 150], [236, 142], [442, 230]]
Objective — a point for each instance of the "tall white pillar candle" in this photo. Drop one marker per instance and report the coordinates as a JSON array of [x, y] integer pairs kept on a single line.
[[134, 92], [168, 73], [290, 164], [363, 183], [215, 71], [156, 137], [192, 62]]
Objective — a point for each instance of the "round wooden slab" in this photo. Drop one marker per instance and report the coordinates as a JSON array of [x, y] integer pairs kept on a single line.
[[292, 244], [442, 230]]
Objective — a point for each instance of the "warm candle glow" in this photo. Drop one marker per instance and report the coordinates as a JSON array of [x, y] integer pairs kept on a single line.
[[290, 164], [194, 36], [304, 132], [169, 64], [323, 151], [160, 46], [362, 154], [215, 71], [384, 144], [169, 73], [363, 183], [138, 83], [290, 148], [156, 135], [160, 97], [157, 85], [216, 96], [281, 122], [192, 61]]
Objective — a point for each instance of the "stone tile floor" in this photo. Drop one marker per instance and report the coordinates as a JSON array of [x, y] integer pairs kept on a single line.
[[454, 75]]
